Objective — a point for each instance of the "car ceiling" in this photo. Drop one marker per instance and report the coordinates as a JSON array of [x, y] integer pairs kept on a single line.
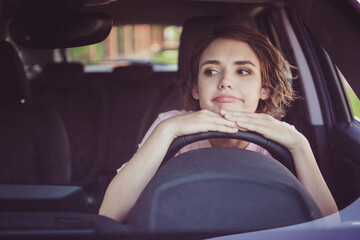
[[157, 11]]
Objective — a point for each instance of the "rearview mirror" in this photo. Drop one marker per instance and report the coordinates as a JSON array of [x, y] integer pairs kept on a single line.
[[72, 30]]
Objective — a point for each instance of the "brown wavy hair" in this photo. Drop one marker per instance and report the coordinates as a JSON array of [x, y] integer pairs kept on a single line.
[[274, 69]]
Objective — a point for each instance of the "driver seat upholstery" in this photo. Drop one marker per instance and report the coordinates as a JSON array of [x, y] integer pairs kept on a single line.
[[194, 29]]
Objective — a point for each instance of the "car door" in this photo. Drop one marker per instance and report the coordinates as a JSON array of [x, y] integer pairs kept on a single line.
[[330, 41]]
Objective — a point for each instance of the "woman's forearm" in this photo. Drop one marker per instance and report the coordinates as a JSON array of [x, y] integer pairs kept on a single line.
[[127, 185], [310, 176]]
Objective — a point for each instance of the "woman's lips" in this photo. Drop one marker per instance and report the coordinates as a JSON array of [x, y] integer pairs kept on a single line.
[[226, 99]]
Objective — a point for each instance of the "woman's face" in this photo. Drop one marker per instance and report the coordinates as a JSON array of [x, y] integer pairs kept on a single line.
[[229, 77]]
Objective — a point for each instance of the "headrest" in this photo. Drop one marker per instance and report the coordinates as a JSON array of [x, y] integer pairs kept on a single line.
[[133, 72], [14, 86], [65, 75], [194, 29]]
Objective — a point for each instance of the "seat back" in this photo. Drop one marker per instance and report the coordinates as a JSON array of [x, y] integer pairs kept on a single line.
[[34, 147], [61, 87]]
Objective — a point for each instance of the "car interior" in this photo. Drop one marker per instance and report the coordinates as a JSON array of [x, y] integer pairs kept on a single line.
[[66, 130]]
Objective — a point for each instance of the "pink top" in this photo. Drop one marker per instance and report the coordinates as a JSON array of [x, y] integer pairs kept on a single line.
[[195, 145]]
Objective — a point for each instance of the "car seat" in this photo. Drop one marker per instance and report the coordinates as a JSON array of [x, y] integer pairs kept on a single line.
[[34, 147]]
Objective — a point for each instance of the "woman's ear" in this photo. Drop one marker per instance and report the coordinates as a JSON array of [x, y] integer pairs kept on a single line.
[[265, 93], [195, 91]]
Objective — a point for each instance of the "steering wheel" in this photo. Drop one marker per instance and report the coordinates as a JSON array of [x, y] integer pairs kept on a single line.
[[276, 150], [213, 190]]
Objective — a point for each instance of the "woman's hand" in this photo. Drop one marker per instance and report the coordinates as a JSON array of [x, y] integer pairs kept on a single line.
[[196, 122], [269, 127]]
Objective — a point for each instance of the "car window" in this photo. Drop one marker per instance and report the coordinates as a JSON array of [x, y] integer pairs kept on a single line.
[[126, 44], [353, 100]]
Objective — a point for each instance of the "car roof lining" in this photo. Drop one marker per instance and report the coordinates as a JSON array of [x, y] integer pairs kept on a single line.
[[123, 11]]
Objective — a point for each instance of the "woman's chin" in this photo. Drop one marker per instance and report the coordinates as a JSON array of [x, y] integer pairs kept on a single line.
[[230, 107]]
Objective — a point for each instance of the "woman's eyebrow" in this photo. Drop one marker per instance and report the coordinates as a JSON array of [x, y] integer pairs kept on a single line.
[[244, 63], [216, 62]]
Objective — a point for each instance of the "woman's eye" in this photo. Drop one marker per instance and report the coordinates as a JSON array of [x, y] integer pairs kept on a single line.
[[210, 72], [243, 72]]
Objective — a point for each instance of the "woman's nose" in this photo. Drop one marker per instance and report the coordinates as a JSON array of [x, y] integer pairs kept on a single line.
[[225, 82]]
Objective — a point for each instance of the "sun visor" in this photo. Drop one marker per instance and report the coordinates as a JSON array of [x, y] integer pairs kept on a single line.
[[72, 30]]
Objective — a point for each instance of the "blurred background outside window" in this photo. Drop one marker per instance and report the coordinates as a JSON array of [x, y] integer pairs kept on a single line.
[[129, 44], [354, 101]]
